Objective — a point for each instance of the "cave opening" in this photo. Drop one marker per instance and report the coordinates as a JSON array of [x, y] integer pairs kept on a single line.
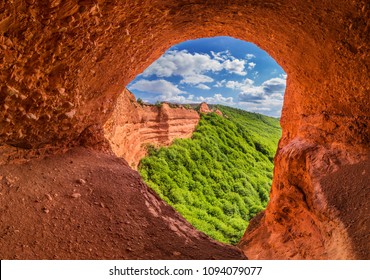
[[216, 70], [215, 170], [64, 65]]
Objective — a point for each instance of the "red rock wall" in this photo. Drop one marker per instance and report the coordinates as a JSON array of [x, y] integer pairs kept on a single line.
[[301, 221], [133, 126], [64, 62]]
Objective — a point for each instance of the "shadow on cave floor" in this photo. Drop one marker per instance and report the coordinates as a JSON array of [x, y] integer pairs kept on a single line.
[[347, 190], [89, 205]]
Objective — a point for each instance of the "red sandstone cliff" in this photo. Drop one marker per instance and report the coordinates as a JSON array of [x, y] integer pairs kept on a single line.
[[133, 126]]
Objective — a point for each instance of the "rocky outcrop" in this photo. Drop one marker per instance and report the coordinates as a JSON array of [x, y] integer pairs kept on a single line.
[[218, 112], [203, 108], [63, 63], [133, 126]]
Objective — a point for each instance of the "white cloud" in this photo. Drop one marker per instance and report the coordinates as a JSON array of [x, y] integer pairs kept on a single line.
[[178, 99], [251, 65], [182, 63], [198, 70], [230, 63], [220, 83], [274, 85], [235, 66], [270, 107], [277, 96], [266, 99], [216, 99], [203, 86], [161, 87], [192, 67], [233, 84], [222, 56], [196, 79], [245, 84]]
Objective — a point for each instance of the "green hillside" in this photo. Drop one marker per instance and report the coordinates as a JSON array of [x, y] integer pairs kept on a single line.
[[221, 177]]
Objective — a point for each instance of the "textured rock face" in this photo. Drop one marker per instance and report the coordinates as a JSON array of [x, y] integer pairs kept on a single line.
[[308, 213], [203, 108], [133, 126], [63, 63]]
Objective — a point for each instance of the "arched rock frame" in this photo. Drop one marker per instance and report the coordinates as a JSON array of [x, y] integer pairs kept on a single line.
[[64, 63]]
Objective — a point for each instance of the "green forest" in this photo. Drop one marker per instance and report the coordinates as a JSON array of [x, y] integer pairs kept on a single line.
[[221, 177]]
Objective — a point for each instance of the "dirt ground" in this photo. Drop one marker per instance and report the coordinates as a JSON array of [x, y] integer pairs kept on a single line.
[[89, 205], [86, 204], [348, 191]]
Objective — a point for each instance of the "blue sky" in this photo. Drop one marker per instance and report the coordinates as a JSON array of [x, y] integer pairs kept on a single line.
[[219, 70]]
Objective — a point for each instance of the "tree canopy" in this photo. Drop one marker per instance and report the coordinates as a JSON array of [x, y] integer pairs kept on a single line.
[[221, 177]]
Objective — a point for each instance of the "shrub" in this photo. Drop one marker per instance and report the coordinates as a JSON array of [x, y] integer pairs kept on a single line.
[[158, 104]]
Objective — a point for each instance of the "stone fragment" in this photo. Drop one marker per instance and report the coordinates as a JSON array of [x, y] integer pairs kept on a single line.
[[61, 90], [5, 24], [54, 3], [71, 114], [81, 181], [31, 116], [76, 195]]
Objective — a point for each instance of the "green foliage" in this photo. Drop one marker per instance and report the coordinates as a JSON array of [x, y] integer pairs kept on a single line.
[[140, 101], [158, 104], [221, 177]]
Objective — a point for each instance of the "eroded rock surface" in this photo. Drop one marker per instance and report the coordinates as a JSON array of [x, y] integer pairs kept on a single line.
[[63, 63], [132, 127], [203, 108], [304, 218]]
